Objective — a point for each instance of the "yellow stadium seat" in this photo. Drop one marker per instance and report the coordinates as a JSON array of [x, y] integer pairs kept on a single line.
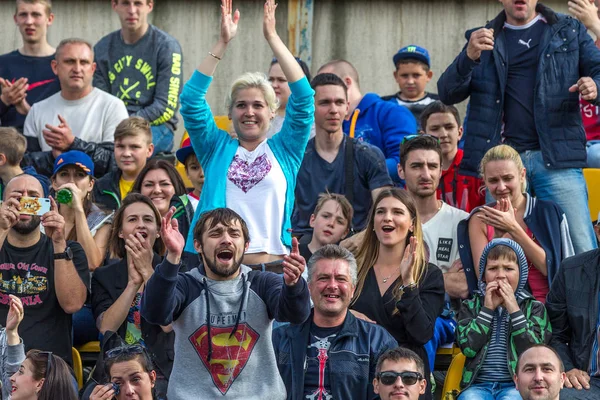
[[592, 178], [90, 347], [451, 388], [77, 366]]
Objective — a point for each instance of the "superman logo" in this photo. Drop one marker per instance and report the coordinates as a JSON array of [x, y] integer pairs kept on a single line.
[[229, 354]]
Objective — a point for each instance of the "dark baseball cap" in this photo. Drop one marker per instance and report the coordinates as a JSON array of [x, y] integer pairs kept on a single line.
[[412, 52]]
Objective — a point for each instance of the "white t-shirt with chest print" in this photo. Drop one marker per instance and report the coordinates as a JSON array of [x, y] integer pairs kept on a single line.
[[256, 188]]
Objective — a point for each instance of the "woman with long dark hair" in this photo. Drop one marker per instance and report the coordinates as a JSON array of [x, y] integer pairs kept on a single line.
[[42, 376], [397, 287], [160, 181]]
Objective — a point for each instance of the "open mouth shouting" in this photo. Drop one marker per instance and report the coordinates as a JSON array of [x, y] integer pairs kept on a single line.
[[388, 228], [224, 255]]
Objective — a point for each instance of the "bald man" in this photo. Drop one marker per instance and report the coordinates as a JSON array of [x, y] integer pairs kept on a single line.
[[48, 273], [371, 119]]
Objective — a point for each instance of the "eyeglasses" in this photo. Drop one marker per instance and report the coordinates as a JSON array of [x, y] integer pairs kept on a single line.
[[49, 362], [411, 137], [409, 378], [124, 350]]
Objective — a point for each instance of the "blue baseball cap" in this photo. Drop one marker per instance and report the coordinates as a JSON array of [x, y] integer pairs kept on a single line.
[[185, 150], [412, 52], [74, 157]]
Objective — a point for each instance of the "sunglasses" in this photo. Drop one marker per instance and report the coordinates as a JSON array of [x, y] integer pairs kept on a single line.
[[409, 378], [408, 138], [49, 362], [124, 350]]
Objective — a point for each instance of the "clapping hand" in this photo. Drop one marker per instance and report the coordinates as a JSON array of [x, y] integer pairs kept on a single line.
[[59, 137], [293, 265], [140, 252], [501, 217], [408, 262]]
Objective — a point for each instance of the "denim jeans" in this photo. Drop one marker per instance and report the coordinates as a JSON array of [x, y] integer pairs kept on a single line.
[[84, 326], [593, 153], [567, 188], [162, 137], [491, 391]]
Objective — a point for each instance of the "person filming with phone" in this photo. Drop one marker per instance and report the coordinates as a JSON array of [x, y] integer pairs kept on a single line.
[[48, 273]]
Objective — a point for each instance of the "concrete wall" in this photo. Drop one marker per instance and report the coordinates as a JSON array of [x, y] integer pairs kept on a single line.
[[366, 32]]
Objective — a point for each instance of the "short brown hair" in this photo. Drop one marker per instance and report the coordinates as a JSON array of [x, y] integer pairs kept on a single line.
[[346, 207], [46, 3], [134, 126], [147, 1], [406, 61], [342, 68], [12, 145], [419, 142], [224, 216], [66, 42], [117, 244], [437, 107], [401, 353], [502, 251]]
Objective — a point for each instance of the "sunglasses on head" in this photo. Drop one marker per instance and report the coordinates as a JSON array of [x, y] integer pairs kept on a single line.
[[49, 362], [411, 137], [409, 378], [124, 350]]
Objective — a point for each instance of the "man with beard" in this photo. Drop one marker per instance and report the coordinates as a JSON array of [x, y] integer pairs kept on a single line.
[[222, 316], [540, 373], [48, 273], [332, 341]]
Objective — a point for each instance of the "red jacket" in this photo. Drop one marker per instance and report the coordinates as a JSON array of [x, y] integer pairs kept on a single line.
[[591, 119], [460, 191]]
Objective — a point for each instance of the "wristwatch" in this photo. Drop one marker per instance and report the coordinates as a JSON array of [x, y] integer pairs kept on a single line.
[[67, 255], [403, 288]]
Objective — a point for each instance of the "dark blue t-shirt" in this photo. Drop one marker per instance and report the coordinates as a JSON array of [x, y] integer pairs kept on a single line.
[[316, 176], [523, 48], [42, 83], [316, 373]]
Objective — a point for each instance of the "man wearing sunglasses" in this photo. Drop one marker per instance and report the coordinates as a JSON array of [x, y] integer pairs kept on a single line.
[[332, 341], [399, 374]]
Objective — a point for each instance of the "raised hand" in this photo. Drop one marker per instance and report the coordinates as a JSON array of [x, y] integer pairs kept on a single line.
[[171, 237], [54, 225], [15, 314], [508, 294], [501, 217], [492, 297], [480, 40], [293, 265], [13, 93], [59, 137], [103, 392], [76, 204], [269, 19], [586, 12], [229, 21], [135, 278], [140, 252], [9, 213], [408, 262]]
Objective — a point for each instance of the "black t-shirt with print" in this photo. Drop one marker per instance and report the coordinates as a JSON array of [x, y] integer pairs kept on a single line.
[[316, 376], [28, 273]]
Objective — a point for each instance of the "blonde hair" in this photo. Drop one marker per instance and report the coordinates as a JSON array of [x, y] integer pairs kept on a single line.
[[253, 80], [503, 153], [12, 145], [46, 3], [367, 253], [133, 126]]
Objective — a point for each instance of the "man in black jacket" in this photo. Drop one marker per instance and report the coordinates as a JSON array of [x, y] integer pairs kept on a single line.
[[572, 305], [314, 357]]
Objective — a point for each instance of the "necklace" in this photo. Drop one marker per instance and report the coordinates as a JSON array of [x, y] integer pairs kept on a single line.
[[386, 278]]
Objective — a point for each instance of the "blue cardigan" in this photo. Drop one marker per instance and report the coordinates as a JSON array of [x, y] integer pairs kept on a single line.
[[548, 224], [215, 149]]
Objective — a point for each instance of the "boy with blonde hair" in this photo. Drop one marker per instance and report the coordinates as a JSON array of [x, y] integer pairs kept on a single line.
[[133, 147]]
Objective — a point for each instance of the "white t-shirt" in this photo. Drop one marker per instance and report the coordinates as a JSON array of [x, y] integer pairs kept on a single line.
[[256, 188], [93, 118], [441, 237]]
